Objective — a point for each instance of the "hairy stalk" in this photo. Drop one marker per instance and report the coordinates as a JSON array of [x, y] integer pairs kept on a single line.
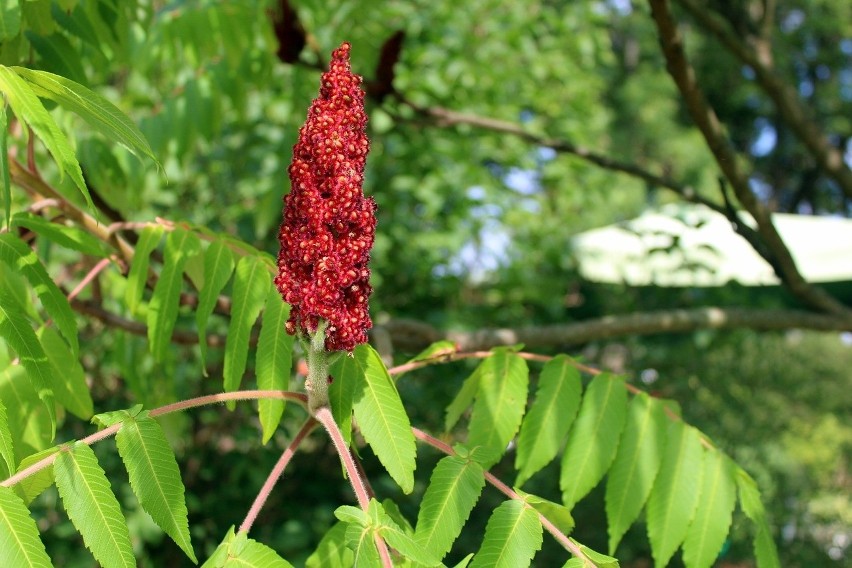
[[561, 537], [323, 415], [276, 473], [167, 409], [317, 359]]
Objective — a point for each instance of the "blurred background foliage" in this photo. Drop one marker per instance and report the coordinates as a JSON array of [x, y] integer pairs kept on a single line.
[[475, 225]]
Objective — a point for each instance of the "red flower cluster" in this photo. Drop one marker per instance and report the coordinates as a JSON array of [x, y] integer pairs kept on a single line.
[[329, 225]]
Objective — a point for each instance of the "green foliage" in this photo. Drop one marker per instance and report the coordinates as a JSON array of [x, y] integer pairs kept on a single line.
[[20, 545], [274, 359], [237, 550], [512, 537]]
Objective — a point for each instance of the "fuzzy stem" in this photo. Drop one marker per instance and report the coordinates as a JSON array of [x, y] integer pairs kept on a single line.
[[317, 359], [275, 474], [323, 415]]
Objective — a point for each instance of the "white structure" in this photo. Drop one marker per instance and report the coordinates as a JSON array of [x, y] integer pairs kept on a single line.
[[691, 245]]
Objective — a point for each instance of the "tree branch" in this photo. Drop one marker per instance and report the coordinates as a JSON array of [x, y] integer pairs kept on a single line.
[[708, 123], [792, 109], [414, 336]]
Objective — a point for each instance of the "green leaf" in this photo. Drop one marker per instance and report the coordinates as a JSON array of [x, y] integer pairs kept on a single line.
[[765, 550], [69, 380], [16, 253], [7, 449], [155, 477], [33, 486], [29, 418], [16, 330], [92, 507], [675, 493], [500, 402], [239, 551], [549, 418], [348, 375], [57, 54], [29, 109], [10, 20], [67, 236], [712, 518], [149, 238], [163, 308], [218, 266], [464, 398], [251, 286], [593, 441], [556, 513], [599, 560], [332, 551], [4, 165], [383, 420], [101, 114], [274, 360], [453, 490], [435, 350], [20, 544], [512, 537], [636, 465]]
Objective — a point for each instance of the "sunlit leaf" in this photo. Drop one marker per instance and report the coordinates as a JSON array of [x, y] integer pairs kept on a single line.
[[20, 545], [765, 550], [274, 360], [512, 537], [92, 507], [218, 266], [550, 417], [712, 518], [382, 419], [155, 477], [500, 402], [593, 441], [453, 490]]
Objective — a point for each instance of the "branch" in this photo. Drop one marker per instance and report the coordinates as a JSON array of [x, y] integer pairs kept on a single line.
[[793, 110], [416, 336], [708, 123]]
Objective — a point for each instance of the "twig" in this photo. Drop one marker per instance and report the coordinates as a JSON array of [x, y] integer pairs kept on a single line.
[[727, 160], [276, 473]]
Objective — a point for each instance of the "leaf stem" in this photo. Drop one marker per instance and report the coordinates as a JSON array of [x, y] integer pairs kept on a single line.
[[323, 415], [276, 473]]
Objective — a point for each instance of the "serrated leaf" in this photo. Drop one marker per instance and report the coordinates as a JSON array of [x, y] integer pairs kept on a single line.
[[382, 419], [453, 490], [407, 546], [765, 550], [20, 544], [64, 235], [674, 496], [636, 465], [163, 308], [69, 380], [101, 114], [16, 330], [16, 253], [593, 441], [348, 374], [464, 398], [239, 551], [29, 109], [155, 477], [31, 487], [149, 238], [512, 537], [500, 402], [550, 417], [251, 285], [332, 552], [218, 266], [598, 560], [712, 518], [92, 507], [7, 449], [29, 418], [4, 165], [274, 360], [556, 513]]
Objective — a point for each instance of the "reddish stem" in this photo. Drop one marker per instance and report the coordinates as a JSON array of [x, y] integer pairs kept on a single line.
[[276, 473]]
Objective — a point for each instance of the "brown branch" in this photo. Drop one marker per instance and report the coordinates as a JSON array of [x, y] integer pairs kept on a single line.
[[708, 123], [792, 109], [415, 337]]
